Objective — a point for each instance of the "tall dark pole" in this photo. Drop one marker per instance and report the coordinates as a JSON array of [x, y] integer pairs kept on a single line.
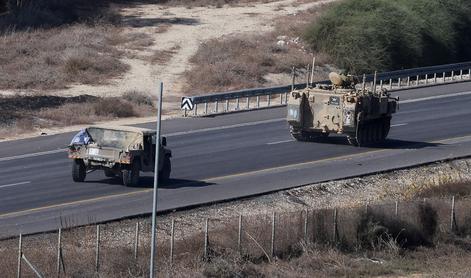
[[156, 182]]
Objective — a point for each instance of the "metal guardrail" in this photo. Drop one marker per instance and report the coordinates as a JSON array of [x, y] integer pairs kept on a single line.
[[252, 99]]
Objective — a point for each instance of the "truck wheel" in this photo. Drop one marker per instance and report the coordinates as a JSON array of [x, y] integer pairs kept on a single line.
[[109, 173], [130, 176], [79, 171], [164, 174]]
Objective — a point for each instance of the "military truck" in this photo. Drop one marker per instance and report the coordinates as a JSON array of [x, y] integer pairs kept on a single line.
[[119, 151], [342, 107]]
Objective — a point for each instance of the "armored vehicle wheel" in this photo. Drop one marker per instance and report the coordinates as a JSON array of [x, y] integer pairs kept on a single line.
[[109, 173], [79, 171], [164, 174], [305, 136], [130, 176]]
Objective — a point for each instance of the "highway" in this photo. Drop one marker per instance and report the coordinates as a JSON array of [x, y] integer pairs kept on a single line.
[[222, 158]]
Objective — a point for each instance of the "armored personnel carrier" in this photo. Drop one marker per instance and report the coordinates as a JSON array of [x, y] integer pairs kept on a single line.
[[343, 107], [119, 151]]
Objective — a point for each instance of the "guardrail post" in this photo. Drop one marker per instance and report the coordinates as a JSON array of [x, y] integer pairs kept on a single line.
[[268, 100], [469, 74], [417, 81], [286, 97], [444, 77], [258, 101], [206, 108], [435, 78], [237, 103], [426, 79], [399, 81], [59, 252], [216, 106], [461, 74], [335, 226], [452, 75], [408, 81], [20, 253], [195, 112], [452, 216], [248, 103], [227, 105]]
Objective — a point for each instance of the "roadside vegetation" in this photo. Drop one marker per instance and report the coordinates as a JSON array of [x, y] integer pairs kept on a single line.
[[254, 60], [32, 113], [367, 35]]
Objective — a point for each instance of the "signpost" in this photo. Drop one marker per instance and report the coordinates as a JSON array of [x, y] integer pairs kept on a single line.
[[156, 182]]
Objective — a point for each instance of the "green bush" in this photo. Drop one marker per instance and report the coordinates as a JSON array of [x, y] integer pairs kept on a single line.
[[367, 35]]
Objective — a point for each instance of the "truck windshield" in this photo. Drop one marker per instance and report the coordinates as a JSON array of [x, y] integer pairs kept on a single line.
[[112, 138]]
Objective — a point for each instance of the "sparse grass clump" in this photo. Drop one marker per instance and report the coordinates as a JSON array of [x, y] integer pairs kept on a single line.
[[53, 59], [367, 35]]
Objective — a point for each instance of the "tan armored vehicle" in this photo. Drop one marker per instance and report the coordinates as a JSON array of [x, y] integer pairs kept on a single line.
[[119, 151], [342, 107]]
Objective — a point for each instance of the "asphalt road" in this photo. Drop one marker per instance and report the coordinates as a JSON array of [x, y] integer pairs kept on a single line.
[[222, 158]]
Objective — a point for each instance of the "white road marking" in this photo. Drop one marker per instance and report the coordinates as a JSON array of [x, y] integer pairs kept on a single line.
[[280, 142], [396, 125], [13, 184], [30, 155], [434, 97], [224, 127]]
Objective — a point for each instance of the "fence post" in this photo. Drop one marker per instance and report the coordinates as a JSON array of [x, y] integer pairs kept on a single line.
[[452, 216], [172, 240], [396, 210], [335, 226], [206, 108], [258, 101], [136, 241], [281, 98], [273, 234], [97, 250], [216, 106], [227, 105], [20, 253], [59, 251], [239, 235], [237, 103], [206, 239], [305, 224], [248, 103]]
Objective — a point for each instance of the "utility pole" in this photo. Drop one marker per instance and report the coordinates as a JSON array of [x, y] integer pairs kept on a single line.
[[156, 182]]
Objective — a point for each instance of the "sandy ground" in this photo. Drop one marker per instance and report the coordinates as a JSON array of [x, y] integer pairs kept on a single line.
[[185, 29]]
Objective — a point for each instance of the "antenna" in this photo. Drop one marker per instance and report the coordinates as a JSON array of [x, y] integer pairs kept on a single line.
[[312, 70]]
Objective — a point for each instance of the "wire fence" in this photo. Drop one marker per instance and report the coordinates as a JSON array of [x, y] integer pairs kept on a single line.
[[124, 249]]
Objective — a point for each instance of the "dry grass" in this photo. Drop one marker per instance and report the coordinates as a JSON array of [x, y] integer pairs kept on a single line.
[[162, 57], [28, 113], [56, 58], [244, 61]]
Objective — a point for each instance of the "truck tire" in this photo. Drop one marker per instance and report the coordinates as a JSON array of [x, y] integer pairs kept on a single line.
[[164, 174], [79, 171], [130, 176]]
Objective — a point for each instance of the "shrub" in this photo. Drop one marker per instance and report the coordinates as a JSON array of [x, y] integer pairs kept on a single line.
[[366, 35], [114, 107]]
